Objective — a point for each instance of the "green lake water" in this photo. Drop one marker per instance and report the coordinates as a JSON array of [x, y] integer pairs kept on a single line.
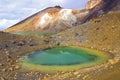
[[63, 58], [32, 33]]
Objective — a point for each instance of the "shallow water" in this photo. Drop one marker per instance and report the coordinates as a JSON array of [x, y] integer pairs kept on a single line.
[[63, 58]]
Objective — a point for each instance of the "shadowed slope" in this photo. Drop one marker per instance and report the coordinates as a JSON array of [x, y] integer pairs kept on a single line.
[[101, 7]]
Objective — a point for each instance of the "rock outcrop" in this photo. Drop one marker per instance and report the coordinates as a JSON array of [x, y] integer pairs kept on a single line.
[[92, 3], [106, 4], [100, 7]]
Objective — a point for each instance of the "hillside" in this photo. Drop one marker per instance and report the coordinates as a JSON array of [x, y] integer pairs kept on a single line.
[[100, 33], [50, 20], [96, 27], [103, 34], [56, 19]]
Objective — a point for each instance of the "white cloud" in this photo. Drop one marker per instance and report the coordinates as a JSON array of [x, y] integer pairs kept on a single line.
[[4, 23]]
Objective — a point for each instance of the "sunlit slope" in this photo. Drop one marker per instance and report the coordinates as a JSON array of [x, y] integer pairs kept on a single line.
[[31, 23], [50, 20]]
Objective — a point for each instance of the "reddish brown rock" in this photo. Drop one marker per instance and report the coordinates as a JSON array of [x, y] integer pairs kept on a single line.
[[17, 67]]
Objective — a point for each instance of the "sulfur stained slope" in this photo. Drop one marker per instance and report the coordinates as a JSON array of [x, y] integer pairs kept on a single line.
[[53, 19]]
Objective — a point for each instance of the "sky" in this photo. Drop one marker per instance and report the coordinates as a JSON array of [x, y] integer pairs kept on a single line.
[[14, 11]]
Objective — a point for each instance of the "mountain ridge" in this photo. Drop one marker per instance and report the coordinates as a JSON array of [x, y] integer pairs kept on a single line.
[[50, 19], [50, 15]]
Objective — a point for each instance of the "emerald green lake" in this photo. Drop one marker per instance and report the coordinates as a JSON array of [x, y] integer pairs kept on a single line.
[[60, 58]]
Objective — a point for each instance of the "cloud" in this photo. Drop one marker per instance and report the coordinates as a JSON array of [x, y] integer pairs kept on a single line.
[[4, 23]]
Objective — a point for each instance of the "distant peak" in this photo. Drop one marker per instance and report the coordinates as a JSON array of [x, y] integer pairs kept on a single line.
[[58, 6]]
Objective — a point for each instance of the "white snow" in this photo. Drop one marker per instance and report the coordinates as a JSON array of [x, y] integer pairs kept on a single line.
[[45, 19], [68, 16]]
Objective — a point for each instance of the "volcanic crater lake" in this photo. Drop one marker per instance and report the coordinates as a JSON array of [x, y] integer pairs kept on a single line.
[[63, 58]]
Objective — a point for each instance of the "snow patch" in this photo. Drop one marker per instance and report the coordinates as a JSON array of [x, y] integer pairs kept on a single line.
[[68, 16], [45, 19]]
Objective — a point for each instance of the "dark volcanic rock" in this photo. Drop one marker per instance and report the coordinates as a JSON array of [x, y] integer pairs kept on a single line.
[[31, 44], [99, 7], [20, 43], [13, 41]]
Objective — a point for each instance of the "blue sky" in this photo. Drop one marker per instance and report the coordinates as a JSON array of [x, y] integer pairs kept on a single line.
[[13, 11]]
